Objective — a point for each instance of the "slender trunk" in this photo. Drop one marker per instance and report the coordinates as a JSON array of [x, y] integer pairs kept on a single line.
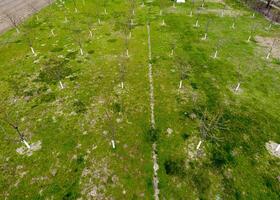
[[180, 85], [199, 144], [90, 34], [61, 85], [216, 54], [113, 144], [52, 32], [33, 51], [237, 87], [122, 85], [81, 52], [249, 38], [26, 144]]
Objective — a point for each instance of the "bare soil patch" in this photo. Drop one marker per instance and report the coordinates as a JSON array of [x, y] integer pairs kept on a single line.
[[267, 43]]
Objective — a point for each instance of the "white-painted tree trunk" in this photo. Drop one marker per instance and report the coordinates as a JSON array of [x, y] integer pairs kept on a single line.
[[269, 27], [237, 87], [163, 23], [113, 144], [81, 52], [99, 21], [52, 32], [181, 83], [105, 11], [172, 52], [199, 144], [268, 56], [205, 37], [33, 51], [61, 85], [191, 13], [122, 85], [233, 25], [249, 38], [26, 144], [196, 24], [216, 54], [127, 53], [90, 34], [277, 148]]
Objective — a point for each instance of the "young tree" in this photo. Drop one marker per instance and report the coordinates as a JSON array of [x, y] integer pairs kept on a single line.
[[239, 76], [105, 2], [33, 9], [218, 46], [271, 48], [172, 46], [206, 30], [252, 31], [75, 5], [233, 23], [183, 68], [28, 35], [211, 124], [223, 10], [13, 20], [111, 124], [5, 118], [203, 4], [122, 73], [197, 18], [192, 7]]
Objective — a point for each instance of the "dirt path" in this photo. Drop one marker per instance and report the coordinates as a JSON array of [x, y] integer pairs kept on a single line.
[[152, 104], [19, 10]]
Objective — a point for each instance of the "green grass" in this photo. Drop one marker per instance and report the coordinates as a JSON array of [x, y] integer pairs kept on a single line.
[[77, 124]]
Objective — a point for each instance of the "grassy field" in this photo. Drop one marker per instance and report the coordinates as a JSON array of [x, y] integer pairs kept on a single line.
[[67, 98]]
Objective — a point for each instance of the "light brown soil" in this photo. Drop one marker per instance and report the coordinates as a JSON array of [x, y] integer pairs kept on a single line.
[[267, 42]]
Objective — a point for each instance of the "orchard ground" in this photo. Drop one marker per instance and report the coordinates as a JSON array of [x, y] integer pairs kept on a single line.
[[75, 81]]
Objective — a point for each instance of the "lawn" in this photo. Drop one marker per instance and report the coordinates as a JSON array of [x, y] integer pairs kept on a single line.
[[75, 80]]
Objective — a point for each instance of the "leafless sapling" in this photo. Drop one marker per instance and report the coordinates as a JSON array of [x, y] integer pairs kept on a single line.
[[217, 47], [206, 29], [111, 124], [183, 68], [14, 125], [13, 20], [211, 124], [197, 19], [192, 7], [252, 31], [122, 73], [271, 49], [239, 77]]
